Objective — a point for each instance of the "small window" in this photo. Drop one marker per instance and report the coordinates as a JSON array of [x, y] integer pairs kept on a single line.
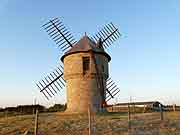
[[103, 68], [86, 63]]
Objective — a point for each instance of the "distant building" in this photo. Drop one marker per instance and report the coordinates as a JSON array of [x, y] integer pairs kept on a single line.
[[153, 105]]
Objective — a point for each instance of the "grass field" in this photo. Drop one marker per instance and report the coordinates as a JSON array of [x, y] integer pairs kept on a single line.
[[104, 124]]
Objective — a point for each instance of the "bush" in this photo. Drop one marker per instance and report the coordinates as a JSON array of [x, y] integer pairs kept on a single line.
[[57, 108]]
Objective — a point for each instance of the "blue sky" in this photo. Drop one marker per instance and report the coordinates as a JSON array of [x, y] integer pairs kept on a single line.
[[145, 60]]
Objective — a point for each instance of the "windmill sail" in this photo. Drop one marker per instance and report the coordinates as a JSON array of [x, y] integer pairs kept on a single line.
[[111, 89], [108, 35], [52, 83], [59, 33]]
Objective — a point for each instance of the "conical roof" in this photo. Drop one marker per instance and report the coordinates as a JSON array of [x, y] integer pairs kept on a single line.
[[85, 44]]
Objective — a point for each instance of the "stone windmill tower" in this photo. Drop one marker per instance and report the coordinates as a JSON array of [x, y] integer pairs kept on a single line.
[[81, 75], [85, 74]]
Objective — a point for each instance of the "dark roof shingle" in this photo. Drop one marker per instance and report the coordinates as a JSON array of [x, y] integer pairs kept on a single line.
[[85, 44]]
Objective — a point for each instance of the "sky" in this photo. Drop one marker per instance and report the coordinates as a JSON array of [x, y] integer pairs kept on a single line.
[[145, 59]]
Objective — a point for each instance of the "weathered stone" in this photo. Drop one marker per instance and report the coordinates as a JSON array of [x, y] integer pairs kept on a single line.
[[82, 87]]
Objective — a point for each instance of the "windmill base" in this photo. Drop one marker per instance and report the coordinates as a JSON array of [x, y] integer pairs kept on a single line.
[[85, 110]]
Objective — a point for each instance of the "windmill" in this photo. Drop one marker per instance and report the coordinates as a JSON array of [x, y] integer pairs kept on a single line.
[[84, 71]]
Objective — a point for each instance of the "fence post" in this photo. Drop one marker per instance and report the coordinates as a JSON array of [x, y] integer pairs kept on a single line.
[[161, 112], [89, 118], [36, 122], [6, 115], [144, 109], [174, 107], [134, 109], [129, 118]]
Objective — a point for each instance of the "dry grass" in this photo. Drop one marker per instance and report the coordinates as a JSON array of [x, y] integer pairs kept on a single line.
[[106, 124]]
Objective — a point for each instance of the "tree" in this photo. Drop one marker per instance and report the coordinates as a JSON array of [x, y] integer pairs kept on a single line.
[[57, 108]]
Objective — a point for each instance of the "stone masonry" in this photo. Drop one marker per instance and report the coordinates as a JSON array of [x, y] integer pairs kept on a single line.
[[82, 88]]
